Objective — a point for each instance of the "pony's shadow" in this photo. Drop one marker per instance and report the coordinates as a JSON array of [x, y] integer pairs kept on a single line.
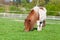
[[34, 29]]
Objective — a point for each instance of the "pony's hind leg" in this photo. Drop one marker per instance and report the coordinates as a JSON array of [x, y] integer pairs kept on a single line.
[[39, 24], [44, 23]]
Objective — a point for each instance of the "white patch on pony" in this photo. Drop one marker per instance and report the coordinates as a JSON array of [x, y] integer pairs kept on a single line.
[[38, 22], [42, 16], [41, 12], [36, 9], [39, 28]]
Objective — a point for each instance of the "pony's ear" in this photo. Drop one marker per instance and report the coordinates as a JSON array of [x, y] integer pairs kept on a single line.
[[32, 11]]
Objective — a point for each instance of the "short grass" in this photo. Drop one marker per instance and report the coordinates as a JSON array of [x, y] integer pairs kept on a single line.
[[14, 30]]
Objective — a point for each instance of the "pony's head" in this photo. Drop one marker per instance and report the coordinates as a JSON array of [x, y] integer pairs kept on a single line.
[[27, 24], [30, 20]]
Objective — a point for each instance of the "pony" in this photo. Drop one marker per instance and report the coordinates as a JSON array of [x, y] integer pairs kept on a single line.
[[37, 15]]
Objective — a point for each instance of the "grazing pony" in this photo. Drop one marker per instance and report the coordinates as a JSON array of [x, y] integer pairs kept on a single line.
[[37, 15]]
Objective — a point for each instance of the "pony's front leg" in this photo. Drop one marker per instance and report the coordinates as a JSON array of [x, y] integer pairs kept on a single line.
[[39, 24]]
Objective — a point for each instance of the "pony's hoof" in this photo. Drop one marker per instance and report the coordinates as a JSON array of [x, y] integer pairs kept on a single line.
[[39, 29]]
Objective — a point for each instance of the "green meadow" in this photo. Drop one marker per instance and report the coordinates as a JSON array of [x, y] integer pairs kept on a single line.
[[14, 30]]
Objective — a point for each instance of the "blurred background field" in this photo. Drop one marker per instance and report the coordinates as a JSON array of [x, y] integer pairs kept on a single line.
[[14, 30], [24, 6]]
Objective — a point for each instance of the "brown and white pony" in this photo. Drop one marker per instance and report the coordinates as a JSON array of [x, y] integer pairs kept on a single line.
[[37, 15]]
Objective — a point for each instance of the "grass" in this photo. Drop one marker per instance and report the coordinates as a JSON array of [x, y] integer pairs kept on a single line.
[[14, 30]]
